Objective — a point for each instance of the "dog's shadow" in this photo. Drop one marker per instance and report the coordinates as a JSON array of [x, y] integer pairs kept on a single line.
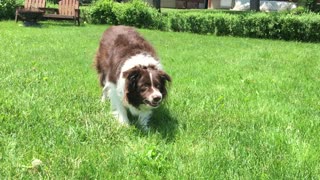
[[162, 122]]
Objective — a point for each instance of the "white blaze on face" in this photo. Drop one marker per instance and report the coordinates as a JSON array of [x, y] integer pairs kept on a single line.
[[156, 93]]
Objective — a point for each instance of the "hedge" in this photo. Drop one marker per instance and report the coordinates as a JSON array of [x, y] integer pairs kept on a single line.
[[135, 13], [286, 26], [7, 9], [303, 27]]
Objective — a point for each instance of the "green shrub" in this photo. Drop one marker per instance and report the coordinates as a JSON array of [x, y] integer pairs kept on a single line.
[[298, 10], [305, 27], [134, 13], [259, 25], [292, 28], [217, 23], [7, 9], [221, 24], [295, 25], [102, 12], [310, 5], [313, 27], [235, 24], [178, 22], [287, 26], [140, 14]]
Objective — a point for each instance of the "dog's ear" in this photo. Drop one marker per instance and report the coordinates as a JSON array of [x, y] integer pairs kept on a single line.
[[132, 75], [164, 76]]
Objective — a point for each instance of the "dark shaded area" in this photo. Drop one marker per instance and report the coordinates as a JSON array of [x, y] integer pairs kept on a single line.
[[164, 123], [255, 5], [31, 24], [161, 121]]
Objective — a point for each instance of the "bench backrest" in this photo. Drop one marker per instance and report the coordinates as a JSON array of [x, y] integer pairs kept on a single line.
[[67, 7], [30, 4]]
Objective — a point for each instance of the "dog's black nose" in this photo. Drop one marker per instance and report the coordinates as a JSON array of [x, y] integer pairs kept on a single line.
[[157, 99]]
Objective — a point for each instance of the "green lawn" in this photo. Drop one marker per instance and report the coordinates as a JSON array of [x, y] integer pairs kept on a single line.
[[237, 109]]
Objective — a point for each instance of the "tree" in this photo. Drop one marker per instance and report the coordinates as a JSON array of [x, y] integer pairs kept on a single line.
[[157, 4], [255, 5]]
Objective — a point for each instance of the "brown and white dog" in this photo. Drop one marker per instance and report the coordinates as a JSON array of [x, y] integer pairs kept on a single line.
[[130, 74]]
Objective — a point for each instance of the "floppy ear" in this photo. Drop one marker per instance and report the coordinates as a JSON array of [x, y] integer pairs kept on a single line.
[[164, 76], [132, 75]]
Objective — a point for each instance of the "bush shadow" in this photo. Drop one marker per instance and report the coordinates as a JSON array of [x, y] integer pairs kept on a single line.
[[47, 24], [62, 23], [31, 24]]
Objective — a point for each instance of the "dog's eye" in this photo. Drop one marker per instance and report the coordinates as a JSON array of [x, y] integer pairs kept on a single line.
[[143, 88]]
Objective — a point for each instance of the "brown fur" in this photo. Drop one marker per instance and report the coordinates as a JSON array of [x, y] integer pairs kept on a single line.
[[117, 44]]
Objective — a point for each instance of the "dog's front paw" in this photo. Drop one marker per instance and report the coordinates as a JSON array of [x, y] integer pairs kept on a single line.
[[144, 121], [122, 118], [103, 98], [145, 128]]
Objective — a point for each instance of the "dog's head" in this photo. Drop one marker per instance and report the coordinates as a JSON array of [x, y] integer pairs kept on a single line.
[[145, 85]]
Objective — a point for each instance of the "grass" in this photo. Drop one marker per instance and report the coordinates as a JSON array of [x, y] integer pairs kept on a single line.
[[237, 109]]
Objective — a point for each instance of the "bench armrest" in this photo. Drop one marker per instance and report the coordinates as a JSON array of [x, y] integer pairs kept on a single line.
[[77, 12]]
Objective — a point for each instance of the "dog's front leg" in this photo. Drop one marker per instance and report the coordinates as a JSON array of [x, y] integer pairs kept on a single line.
[[144, 120], [117, 108], [120, 113]]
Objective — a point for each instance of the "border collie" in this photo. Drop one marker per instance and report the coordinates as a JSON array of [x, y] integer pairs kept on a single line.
[[130, 74]]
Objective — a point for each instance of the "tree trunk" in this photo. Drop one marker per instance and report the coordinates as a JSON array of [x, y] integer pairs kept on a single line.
[[255, 5], [157, 4]]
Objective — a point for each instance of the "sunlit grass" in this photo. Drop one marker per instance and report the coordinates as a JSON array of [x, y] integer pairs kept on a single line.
[[237, 108]]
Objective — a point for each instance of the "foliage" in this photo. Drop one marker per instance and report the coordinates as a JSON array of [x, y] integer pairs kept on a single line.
[[295, 25], [288, 26], [310, 5], [299, 10], [134, 13], [7, 9]]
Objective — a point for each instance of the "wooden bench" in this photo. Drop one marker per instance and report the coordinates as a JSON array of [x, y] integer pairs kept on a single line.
[[68, 10], [31, 10]]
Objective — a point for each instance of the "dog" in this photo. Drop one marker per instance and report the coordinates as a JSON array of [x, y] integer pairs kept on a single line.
[[131, 74]]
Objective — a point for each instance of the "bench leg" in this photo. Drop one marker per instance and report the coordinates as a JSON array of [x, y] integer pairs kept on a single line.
[[16, 19], [76, 21]]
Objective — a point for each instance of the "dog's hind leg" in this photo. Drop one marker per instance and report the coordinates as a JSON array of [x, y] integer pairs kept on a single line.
[[105, 93], [121, 114], [105, 85], [106, 88]]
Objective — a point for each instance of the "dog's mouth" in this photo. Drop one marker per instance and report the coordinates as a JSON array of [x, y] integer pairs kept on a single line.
[[152, 104]]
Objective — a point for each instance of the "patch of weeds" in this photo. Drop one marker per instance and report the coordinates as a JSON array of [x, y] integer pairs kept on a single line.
[[152, 161]]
